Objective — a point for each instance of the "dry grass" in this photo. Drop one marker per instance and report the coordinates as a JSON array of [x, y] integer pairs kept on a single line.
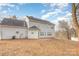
[[38, 47]]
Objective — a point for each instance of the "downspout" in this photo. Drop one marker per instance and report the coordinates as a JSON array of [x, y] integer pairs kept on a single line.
[[1, 33]]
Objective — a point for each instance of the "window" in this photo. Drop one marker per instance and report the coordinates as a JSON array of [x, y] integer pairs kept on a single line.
[[41, 33], [49, 33], [32, 32], [52, 27], [45, 33], [17, 32]]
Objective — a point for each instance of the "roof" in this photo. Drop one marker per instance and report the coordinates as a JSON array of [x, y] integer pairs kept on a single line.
[[34, 28], [13, 22], [39, 20]]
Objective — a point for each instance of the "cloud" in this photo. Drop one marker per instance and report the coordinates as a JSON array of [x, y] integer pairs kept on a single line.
[[51, 13], [4, 11], [61, 18], [3, 5], [7, 4], [58, 11], [54, 9], [68, 14], [17, 8], [47, 15], [9, 10], [0, 8], [43, 11], [65, 17], [59, 5]]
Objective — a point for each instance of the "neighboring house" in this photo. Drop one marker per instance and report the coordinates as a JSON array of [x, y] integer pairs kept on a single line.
[[29, 27]]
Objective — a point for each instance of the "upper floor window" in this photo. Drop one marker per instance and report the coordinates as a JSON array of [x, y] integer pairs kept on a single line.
[[17, 32], [52, 27]]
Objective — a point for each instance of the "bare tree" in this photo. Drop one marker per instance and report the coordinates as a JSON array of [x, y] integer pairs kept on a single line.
[[64, 26], [74, 18]]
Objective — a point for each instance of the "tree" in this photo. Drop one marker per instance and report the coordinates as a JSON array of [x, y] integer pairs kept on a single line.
[[74, 18], [64, 26]]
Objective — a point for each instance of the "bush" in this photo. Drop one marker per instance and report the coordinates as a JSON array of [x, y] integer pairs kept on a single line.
[[14, 37]]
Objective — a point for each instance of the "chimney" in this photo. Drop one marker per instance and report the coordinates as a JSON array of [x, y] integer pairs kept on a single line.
[[13, 17]]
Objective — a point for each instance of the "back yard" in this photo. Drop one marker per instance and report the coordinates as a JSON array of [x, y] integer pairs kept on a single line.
[[38, 47]]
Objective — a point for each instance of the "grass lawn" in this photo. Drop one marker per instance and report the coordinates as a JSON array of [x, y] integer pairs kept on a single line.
[[38, 47]]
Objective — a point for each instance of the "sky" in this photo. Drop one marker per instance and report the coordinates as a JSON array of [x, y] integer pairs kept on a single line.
[[48, 11]]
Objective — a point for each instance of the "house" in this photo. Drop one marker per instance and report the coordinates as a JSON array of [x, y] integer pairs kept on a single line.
[[11, 28], [38, 28], [28, 27]]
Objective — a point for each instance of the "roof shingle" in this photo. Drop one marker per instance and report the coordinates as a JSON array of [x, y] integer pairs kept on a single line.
[[39, 20], [13, 22]]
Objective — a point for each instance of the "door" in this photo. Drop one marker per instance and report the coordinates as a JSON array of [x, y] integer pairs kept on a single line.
[[33, 34]]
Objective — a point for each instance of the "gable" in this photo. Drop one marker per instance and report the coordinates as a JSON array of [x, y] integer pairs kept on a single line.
[[33, 19]]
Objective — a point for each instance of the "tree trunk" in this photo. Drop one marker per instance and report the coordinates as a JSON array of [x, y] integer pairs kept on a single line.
[[74, 19], [78, 34], [68, 34]]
